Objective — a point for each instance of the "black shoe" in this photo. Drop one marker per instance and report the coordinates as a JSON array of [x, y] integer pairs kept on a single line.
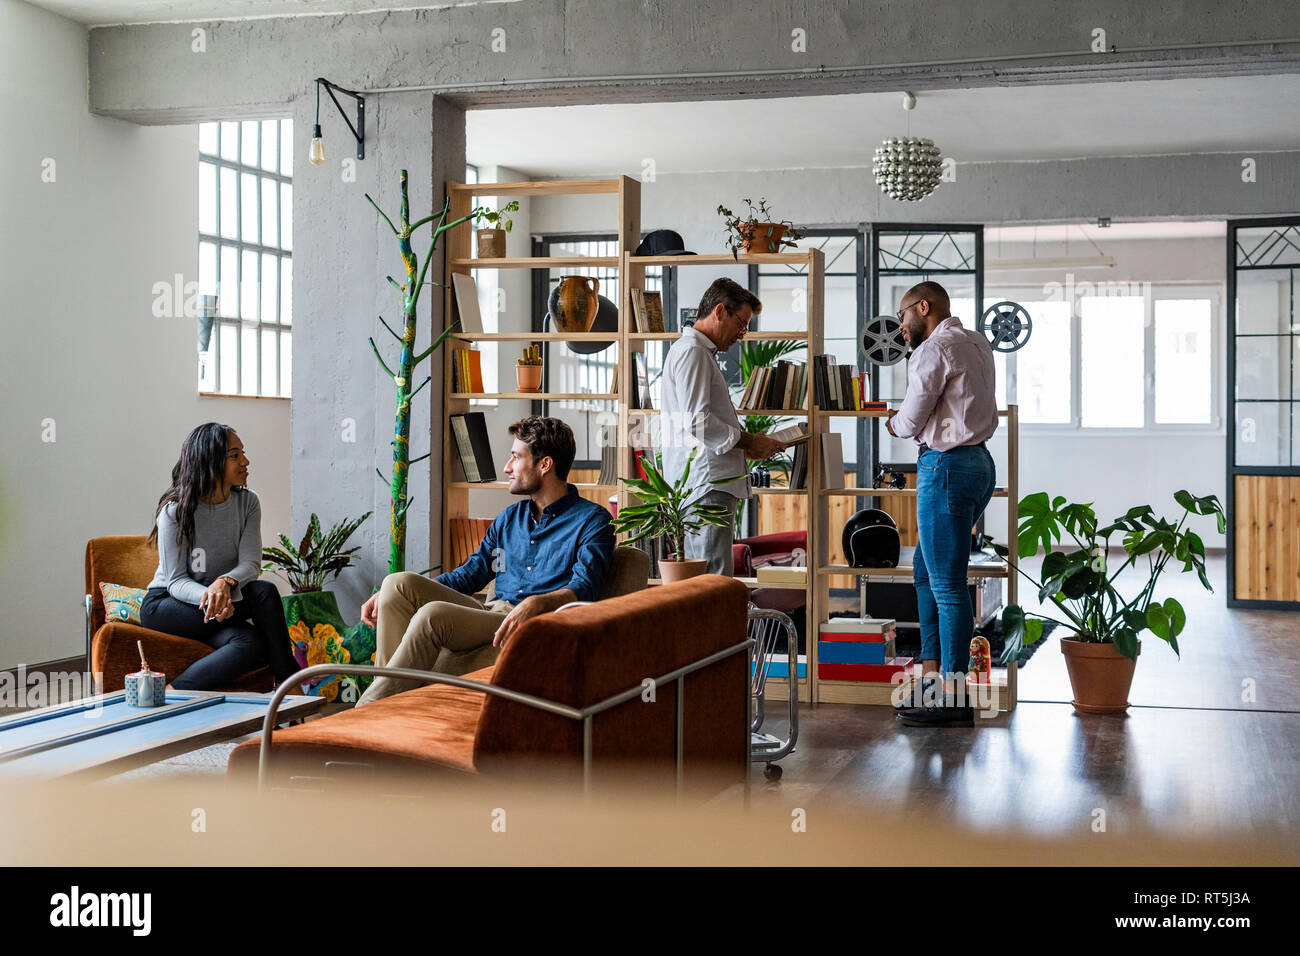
[[922, 690], [945, 716]]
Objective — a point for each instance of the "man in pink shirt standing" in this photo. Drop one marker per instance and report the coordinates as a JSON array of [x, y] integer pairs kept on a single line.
[[951, 411]]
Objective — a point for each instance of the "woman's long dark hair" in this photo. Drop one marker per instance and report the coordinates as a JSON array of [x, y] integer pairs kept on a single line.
[[197, 473]]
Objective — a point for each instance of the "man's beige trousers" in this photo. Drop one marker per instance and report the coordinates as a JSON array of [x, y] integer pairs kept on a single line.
[[417, 619]]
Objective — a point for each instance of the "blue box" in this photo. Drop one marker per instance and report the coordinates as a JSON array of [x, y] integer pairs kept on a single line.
[[779, 666], [852, 652]]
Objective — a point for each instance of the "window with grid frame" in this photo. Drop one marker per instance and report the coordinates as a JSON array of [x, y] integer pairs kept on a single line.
[[246, 257]]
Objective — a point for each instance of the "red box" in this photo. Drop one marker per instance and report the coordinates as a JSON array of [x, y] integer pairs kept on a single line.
[[875, 673], [875, 631]]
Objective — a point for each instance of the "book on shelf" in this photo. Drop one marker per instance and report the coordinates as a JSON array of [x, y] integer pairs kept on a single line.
[[654, 311], [781, 575], [832, 460], [471, 320], [473, 447], [468, 370], [839, 388], [608, 455], [773, 387], [640, 321], [642, 383], [799, 467]]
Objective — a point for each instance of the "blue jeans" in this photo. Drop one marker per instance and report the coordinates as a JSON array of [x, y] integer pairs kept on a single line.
[[952, 490]]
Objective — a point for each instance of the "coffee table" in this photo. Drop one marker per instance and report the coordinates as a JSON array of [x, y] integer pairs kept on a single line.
[[102, 735]]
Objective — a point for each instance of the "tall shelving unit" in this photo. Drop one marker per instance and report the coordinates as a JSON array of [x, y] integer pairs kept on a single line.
[[456, 494]]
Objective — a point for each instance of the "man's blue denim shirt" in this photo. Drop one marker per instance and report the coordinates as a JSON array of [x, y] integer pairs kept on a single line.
[[569, 546]]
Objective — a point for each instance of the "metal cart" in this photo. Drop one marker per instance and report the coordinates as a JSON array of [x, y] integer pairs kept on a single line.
[[765, 627]]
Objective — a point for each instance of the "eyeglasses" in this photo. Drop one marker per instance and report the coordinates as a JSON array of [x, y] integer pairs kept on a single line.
[[900, 313]]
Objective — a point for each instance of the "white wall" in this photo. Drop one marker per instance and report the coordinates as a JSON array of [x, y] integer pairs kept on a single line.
[[1113, 471], [78, 260]]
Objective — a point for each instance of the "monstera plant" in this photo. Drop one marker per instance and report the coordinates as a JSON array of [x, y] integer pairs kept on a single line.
[[1107, 616]]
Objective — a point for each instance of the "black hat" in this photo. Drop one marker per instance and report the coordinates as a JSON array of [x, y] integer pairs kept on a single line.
[[663, 242]]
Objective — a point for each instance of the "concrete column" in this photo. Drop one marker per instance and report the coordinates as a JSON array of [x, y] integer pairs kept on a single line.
[[344, 404]]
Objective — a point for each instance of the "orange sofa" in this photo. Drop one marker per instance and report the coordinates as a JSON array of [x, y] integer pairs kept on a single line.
[[579, 657], [129, 559]]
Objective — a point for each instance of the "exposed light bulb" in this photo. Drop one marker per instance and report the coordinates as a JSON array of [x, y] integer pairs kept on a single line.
[[317, 155]]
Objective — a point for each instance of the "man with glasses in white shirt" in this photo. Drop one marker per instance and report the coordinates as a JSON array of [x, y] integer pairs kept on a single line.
[[698, 412]]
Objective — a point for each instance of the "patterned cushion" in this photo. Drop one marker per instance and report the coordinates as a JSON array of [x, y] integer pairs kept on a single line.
[[121, 603]]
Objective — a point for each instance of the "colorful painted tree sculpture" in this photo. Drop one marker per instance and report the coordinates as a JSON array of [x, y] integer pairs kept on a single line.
[[408, 360]]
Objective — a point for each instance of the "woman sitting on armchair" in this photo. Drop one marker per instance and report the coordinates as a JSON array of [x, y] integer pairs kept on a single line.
[[208, 526]]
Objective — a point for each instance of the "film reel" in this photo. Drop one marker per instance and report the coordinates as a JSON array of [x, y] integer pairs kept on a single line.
[[1006, 325], [883, 342]]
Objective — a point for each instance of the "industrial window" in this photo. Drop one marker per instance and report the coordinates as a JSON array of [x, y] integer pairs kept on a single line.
[[245, 257]]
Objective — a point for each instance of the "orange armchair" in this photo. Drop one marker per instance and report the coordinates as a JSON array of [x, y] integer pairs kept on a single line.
[[111, 651]]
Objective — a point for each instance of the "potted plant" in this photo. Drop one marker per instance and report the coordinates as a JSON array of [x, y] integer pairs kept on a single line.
[[528, 369], [492, 238], [758, 230], [316, 628], [1102, 654], [664, 513]]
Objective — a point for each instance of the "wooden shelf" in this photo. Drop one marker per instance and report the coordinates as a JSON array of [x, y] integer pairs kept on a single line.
[[724, 259], [905, 571], [743, 412], [537, 336], [883, 492], [539, 262], [779, 491], [749, 336], [535, 396], [870, 413]]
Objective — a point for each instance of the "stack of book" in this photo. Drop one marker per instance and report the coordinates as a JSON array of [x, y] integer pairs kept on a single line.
[[839, 388], [780, 386], [468, 371]]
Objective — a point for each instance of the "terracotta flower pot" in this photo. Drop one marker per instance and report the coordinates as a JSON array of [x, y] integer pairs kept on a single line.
[[1100, 676], [529, 377], [671, 571], [763, 236], [491, 243]]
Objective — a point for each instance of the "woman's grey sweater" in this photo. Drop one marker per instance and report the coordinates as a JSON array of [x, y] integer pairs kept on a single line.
[[227, 543]]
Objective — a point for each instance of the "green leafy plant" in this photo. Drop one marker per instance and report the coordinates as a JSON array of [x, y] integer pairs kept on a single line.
[[663, 511], [495, 219], [741, 229], [1081, 585], [316, 557]]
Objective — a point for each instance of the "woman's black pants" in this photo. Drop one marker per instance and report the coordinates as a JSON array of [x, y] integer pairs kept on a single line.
[[255, 635]]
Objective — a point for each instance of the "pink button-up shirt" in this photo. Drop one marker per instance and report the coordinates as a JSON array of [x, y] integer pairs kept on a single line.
[[950, 390]]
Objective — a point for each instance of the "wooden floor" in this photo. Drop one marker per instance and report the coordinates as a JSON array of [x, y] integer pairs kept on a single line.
[[1195, 754]]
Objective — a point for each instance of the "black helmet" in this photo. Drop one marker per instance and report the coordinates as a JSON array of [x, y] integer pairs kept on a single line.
[[871, 540]]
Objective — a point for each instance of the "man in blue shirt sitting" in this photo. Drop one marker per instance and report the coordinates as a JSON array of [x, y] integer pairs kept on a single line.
[[542, 553]]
